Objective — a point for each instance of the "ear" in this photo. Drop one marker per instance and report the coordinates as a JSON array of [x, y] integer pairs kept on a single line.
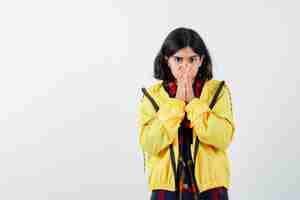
[[167, 60]]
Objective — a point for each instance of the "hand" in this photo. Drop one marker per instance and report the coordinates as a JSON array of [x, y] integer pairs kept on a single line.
[[189, 89], [185, 85], [188, 82], [181, 93]]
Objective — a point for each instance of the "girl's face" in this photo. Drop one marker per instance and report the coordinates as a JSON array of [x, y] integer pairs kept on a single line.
[[184, 62]]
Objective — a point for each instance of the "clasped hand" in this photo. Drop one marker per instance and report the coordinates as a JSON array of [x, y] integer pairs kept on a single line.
[[185, 81]]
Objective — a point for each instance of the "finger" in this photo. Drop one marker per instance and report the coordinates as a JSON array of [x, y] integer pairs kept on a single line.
[[188, 77], [184, 89], [187, 91], [189, 86], [182, 77]]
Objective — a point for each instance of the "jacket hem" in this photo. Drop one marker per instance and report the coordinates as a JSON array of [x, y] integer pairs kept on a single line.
[[201, 188]]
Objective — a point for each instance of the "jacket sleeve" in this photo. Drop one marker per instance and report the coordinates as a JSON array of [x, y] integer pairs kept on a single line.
[[157, 130], [214, 127]]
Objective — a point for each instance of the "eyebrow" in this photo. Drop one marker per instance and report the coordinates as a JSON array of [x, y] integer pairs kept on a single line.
[[190, 56]]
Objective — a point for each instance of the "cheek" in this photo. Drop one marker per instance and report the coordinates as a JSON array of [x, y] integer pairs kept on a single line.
[[174, 69]]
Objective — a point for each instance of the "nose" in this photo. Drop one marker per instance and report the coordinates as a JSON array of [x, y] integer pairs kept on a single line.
[[184, 64]]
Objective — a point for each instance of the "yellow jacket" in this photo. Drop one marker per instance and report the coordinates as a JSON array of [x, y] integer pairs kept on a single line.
[[214, 128]]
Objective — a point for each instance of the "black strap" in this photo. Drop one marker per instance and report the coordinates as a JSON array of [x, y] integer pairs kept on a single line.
[[196, 150], [173, 160], [155, 105], [213, 102]]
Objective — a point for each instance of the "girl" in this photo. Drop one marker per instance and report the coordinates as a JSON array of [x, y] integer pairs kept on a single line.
[[177, 167]]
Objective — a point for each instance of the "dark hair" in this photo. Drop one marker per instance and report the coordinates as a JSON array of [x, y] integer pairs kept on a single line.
[[176, 40]]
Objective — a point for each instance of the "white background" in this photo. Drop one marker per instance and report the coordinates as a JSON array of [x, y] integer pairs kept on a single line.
[[70, 79]]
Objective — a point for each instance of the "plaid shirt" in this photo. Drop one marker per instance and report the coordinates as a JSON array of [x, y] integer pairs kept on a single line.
[[219, 193], [185, 140]]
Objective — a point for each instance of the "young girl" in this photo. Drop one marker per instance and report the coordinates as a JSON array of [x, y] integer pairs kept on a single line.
[[183, 93]]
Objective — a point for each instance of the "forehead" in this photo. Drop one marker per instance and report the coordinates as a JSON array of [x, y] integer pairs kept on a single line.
[[185, 52]]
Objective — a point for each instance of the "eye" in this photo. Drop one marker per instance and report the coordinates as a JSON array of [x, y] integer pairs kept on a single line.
[[178, 59], [192, 59]]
